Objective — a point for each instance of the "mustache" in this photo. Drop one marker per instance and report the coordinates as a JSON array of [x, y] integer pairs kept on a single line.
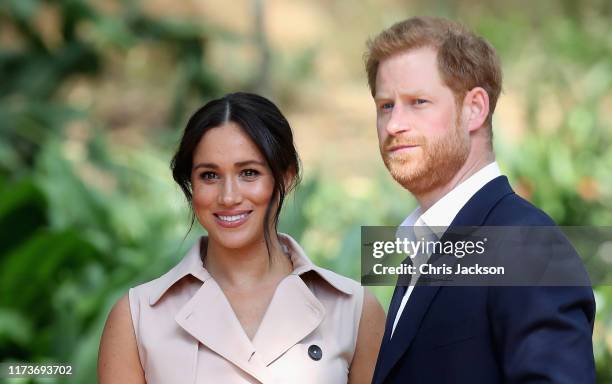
[[393, 141]]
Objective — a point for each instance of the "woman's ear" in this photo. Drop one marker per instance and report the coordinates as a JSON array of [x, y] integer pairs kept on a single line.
[[289, 179]]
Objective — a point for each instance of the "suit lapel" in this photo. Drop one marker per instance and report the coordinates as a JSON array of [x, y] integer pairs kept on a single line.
[[396, 300], [476, 210], [473, 213], [407, 327]]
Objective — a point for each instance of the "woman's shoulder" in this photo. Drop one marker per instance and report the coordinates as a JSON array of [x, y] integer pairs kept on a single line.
[[340, 282], [190, 265], [303, 265], [146, 290], [118, 358]]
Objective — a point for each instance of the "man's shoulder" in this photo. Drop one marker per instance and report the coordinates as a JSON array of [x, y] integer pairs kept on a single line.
[[513, 210]]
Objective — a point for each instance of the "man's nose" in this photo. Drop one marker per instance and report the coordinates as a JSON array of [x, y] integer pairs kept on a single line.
[[399, 121], [230, 192]]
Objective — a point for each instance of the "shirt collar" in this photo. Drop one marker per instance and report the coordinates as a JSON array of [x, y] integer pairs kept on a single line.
[[191, 264], [442, 213]]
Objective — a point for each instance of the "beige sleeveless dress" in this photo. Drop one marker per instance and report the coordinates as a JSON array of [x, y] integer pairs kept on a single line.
[[187, 331]]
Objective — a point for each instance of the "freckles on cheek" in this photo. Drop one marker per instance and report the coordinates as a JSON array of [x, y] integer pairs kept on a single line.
[[260, 193], [202, 197]]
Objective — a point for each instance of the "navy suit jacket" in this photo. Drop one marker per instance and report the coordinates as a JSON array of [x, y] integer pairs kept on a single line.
[[477, 334]]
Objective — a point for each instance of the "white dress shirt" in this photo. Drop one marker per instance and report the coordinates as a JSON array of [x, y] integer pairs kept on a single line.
[[443, 212]]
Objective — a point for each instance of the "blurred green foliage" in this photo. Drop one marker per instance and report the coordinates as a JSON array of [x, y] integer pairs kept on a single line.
[[82, 220], [68, 250]]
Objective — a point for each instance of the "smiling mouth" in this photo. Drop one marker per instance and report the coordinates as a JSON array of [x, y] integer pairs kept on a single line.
[[232, 221]]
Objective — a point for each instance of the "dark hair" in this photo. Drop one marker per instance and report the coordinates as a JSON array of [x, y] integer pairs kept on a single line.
[[269, 130]]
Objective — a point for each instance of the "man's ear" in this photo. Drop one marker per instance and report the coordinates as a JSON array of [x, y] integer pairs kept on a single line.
[[476, 108]]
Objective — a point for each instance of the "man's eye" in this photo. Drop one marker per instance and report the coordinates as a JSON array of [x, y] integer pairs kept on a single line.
[[420, 101], [250, 173], [386, 106]]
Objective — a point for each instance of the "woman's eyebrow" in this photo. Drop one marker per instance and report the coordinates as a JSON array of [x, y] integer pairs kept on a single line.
[[248, 162], [237, 165], [205, 165]]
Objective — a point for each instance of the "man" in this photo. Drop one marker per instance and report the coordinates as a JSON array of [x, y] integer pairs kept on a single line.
[[435, 85]]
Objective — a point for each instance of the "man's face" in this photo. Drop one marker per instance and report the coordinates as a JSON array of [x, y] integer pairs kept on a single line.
[[422, 140]]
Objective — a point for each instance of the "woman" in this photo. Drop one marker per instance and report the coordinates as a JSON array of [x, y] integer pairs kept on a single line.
[[245, 305]]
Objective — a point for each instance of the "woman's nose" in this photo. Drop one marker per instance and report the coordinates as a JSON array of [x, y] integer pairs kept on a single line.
[[230, 192]]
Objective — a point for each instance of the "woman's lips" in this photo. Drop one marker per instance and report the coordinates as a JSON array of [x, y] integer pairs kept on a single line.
[[231, 219]]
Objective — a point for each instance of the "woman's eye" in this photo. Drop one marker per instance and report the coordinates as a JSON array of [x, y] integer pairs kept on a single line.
[[208, 175], [250, 173], [420, 101]]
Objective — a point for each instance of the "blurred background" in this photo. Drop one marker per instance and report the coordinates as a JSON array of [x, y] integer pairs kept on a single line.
[[94, 95]]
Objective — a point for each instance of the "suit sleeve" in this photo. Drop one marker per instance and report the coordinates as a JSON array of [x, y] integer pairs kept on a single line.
[[543, 334]]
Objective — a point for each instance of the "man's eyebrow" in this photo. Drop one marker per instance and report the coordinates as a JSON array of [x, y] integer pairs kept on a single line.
[[402, 92], [381, 96], [238, 164]]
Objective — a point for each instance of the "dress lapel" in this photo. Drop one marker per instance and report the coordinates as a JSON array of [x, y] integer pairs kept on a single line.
[[293, 313], [209, 318]]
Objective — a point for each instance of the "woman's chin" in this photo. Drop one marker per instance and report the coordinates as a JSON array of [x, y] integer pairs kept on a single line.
[[238, 240]]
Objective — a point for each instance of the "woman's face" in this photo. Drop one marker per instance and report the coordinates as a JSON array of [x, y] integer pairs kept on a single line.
[[232, 186]]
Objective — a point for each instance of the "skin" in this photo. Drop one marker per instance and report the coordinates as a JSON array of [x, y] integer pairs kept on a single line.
[[118, 360], [369, 338], [229, 177], [428, 143]]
